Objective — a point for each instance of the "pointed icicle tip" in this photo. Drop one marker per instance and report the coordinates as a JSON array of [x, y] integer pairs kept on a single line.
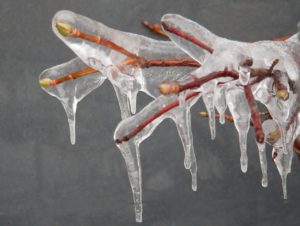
[[64, 29], [45, 83]]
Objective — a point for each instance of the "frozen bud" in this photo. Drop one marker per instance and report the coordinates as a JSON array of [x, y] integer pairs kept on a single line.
[[167, 88], [46, 83], [282, 94], [203, 114], [64, 29], [272, 131]]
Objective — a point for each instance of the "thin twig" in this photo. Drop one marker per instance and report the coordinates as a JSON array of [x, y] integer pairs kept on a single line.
[[153, 117], [155, 28]]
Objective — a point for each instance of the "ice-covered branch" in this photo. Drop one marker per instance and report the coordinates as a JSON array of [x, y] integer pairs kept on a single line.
[[186, 36], [156, 115], [68, 31], [47, 82]]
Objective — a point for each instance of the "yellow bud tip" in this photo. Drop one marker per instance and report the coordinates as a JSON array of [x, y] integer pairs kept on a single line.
[[45, 83], [282, 94], [166, 88], [203, 114], [64, 29], [274, 136]]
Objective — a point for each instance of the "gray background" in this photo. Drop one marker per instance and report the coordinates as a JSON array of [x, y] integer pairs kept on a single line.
[[45, 181]]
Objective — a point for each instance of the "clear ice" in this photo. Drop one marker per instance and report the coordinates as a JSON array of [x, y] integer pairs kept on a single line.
[[230, 55], [71, 92], [280, 131], [128, 81]]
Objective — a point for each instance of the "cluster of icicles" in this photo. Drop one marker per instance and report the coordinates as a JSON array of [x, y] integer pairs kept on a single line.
[[100, 62]]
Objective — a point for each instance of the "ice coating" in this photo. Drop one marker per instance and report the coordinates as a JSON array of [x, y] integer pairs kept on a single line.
[[220, 102], [240, 112], [181, 117], [69, 93], [191, 28], [279, 94], [129, 79]]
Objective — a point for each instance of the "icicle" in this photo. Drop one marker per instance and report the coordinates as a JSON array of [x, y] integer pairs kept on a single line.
[[182, 118], [208, 100], [220, 102], [282, 127], [132, 101], [70, 107], [184, 129], [279, 161], [263, 164], [123, 103], [239, 109], [243, 147], [131, 155], [180, 115]]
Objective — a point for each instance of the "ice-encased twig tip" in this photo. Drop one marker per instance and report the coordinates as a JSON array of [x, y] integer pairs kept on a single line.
[[45, 83], [64, 29], [167, 88]]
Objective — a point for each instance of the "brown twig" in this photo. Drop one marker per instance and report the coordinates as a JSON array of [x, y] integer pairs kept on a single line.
[[170, 88], [153, 117], [255, 116], [184, 62], [155, 28], [46, 82], [186, 36], [68, 31], [180, 62]]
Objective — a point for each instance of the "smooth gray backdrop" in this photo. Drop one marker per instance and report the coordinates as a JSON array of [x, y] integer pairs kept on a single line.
[[45, 181]]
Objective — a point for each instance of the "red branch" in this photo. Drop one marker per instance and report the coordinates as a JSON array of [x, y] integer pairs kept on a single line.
[[153, 117], [184, 35], [199, 82], [168, 88], [255, 116], [155, 28]]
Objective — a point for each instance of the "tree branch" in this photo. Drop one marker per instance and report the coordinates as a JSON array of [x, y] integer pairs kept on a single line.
[[184, 35], [153, 117]]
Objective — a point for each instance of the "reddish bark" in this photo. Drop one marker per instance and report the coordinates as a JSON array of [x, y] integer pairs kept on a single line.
[[153, 117], [255, 116], [186, 36]]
